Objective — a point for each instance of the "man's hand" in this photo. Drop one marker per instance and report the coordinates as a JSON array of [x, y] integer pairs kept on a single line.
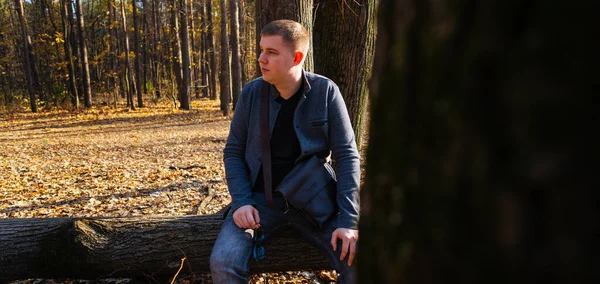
[[349, 238], [246, 217]]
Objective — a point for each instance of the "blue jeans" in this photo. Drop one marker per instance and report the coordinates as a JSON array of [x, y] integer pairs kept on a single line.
[[233, 248]]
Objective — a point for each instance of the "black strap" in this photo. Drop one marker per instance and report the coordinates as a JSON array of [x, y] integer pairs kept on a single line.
[[265, 145]]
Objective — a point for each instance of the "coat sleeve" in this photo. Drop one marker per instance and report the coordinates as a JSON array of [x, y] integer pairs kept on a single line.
[[347, 160], [236, 169]]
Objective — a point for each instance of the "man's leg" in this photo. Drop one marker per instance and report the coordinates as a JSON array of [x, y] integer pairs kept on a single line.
[[233, 248], [321, 238]]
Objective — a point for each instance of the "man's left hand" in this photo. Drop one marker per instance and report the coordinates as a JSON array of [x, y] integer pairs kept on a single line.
[[349, 238]]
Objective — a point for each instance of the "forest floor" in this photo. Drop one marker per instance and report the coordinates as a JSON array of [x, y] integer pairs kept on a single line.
[[104, 161]]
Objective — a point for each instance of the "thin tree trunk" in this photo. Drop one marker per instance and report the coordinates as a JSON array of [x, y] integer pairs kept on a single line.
[[85, 67], [129, 79], [347, 34], [195, 74], [185, 94], [203, 53], [300, 11], [138, 56], [236, 66], [211, 52], [28, 64], [146, 59], [480, 145], [225, 78], [72, 85], [157, 51]]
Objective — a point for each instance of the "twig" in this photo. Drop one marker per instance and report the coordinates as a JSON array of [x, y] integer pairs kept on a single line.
[[180, 267]]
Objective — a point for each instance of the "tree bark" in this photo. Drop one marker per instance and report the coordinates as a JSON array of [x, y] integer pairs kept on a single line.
[[185, 94], [157, 51], [85, 67], [300, 11], [128, 247], [130, 80], [225, 78], [236, 65], [480, 145], [28, 63], [212, 74], [176, 47], [72, 85], [344, 41], [138, 55]]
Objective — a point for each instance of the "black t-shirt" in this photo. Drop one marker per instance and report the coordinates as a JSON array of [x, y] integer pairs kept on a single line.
[[285, 147]]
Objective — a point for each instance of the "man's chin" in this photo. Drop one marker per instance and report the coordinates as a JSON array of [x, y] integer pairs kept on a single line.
[[267, 79]]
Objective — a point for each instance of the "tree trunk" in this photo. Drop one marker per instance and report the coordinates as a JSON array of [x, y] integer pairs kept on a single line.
[[225, 78], [300, 11], [128, 247], [212, 74], [156, 52], [236, 66], [85, 67], [72, 85], [195, 73], [28, 63], [344, 41], [138, 55], [203, 62], [130, 80], [185, 94], [480, 145], [176, 47]]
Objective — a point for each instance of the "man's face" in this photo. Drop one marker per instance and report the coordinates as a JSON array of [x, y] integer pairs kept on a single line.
[[276, 59]]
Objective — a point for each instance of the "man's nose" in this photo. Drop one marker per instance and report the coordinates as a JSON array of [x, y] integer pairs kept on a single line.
[[261, 58]]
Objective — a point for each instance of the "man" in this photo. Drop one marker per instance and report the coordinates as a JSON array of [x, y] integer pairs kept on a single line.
[[307, 116]]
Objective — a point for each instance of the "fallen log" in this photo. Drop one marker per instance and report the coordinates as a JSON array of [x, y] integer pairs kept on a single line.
[[94, 248]]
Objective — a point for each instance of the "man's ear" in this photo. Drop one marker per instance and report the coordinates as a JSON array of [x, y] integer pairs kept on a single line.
[[298, 57]]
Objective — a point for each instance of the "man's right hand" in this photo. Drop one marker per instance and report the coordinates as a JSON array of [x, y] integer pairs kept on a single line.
[[246, 217]]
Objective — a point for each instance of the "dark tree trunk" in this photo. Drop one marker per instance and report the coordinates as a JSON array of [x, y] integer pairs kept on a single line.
[[176, 47], [85, 67], [28, 63], [184, 91], [300, 11], [138, 55], [482, 133], [236, 65], [130, 80], [156, 52], [344, 41], [146, 66], [72, 85], [212, 74], [128, 247], [225, 78]]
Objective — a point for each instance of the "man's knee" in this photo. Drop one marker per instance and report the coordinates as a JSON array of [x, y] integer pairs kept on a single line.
[[218, 259]]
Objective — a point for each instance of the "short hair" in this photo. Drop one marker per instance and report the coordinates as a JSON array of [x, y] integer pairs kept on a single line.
[[291, 31]]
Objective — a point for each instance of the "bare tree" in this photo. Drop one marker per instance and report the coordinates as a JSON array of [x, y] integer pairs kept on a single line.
[[225, 78], [184, 95], [236, 66], [212, 74], [85, 66], [129, 79], [28, 63]]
